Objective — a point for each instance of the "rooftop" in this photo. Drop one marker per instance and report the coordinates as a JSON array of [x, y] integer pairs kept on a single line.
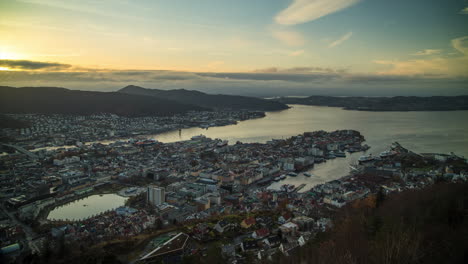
[[176, 243]]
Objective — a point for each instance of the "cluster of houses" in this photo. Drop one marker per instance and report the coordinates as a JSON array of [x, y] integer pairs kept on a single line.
[[44, 130], [119, 223], [202, 181]]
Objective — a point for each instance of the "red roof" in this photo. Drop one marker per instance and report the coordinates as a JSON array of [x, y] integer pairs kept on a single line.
[[262, 232], [249, 221]]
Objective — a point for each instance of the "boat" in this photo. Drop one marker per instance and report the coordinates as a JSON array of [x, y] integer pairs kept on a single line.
[[387, 153], [147, 142], [198, 137], [292, 174], [287, 188], [282, 177], [366, 158], [340, 154], [365, 147], [307, 174], [318, 160], [352, 150]]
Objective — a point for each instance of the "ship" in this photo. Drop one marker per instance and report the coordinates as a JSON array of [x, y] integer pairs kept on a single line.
[[340, 154], [366, 158], [198, 137], [387, 153], [352, 150], [147, 142], [287, 188]]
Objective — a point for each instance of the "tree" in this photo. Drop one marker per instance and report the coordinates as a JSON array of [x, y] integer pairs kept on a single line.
[[214, 255], [380, 197]]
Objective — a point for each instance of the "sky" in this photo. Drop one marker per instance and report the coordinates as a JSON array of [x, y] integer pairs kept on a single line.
[[261, 47]]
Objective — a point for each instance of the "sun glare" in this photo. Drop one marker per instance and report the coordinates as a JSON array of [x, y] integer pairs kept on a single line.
[[8, 55]]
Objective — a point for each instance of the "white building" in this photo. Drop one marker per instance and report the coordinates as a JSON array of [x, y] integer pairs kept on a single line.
[[156, 195]]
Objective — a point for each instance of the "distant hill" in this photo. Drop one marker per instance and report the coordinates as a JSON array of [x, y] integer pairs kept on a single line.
[[397, 103], [53, 100], [213, 101]]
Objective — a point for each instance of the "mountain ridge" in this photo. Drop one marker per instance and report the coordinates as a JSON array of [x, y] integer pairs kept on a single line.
[[58, 100], [213, 101]]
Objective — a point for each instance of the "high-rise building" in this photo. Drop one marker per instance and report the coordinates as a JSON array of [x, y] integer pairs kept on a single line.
[[156, 195]]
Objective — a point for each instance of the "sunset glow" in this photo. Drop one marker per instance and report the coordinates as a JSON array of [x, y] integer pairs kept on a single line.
[[342, 39]]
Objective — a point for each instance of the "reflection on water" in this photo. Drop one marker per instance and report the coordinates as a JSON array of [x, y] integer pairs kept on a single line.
[[420, 131], [87, 207], [441, 132], [321, 173]]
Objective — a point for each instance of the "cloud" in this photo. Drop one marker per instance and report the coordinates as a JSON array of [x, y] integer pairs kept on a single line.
[[296, 53], [464, 11], [303, 70], [461, 44], [427, 52], [302, 11], [279, 83], [434, 66], [414, 67], [274, 76], [290, 38], [273, 81], [33, 65], [340, 40]]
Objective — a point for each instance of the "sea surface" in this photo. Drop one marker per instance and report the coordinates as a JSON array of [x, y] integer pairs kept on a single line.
[[87, 207]]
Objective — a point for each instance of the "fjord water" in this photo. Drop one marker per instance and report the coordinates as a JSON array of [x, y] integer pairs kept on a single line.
[[441, 132]]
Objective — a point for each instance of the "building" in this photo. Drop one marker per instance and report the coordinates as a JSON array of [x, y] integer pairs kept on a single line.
[[172, 251], [156, 195]]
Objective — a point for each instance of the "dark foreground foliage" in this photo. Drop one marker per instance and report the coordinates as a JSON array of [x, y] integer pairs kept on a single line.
[[420, 226]]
